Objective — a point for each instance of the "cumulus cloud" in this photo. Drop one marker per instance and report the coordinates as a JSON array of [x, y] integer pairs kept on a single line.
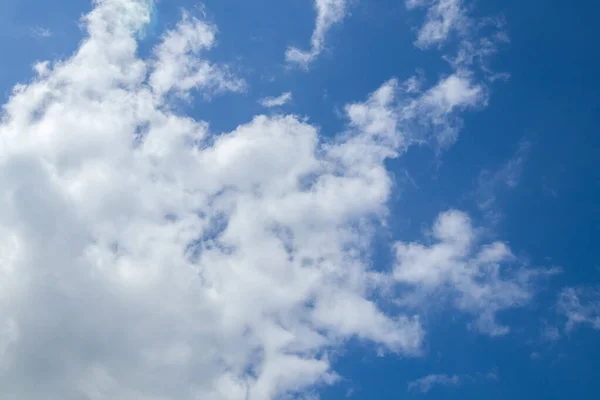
[[329, 13], [580, 306], [477, 278], [144, 256], [278, 101], [432, 115]]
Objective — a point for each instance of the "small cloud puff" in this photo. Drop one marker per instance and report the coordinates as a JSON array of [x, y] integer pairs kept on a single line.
[[41, 32], [427, 383], [278, 101]]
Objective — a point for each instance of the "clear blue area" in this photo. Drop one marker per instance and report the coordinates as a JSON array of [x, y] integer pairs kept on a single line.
[[551, 101]]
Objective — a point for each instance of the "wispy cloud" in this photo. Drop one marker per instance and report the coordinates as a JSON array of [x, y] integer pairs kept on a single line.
[[41, 32], [433, 113], [427, 383], [580, 306], [448, 21], [329, 13], [476, 278], [550, 333], [477, 38], [278, 101], [443, 18], [506, 177], [179, 67], [126, 226]]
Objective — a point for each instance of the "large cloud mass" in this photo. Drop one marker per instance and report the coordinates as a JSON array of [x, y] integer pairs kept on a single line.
[[143, 256]]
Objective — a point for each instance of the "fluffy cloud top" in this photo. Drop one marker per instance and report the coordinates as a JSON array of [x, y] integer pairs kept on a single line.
[[443, 18], [143, 256]]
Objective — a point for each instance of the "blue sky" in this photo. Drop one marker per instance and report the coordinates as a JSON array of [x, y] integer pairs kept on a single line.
[[373, 215]]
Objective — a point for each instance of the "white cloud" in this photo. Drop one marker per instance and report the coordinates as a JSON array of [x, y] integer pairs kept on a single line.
[[478, 45], [433, 114], [144, 257], [550, 333], [41, 32], [423, 116], [411, 4], [426, 383], [510, 173], [477, 38], [278, 101], [329, 13], [479, 279], [178, 66], [443, 18], [506, 177], [433, 110], [580, 306]]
